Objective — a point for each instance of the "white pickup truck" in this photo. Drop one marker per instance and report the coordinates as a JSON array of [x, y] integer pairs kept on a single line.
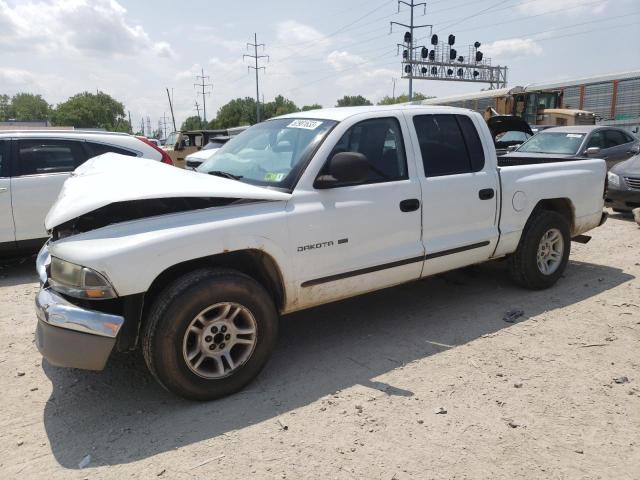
[[297, 211]]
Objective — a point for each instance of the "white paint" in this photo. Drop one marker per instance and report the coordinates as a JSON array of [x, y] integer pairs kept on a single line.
[[519, 201], [132, 254], [113, 178]]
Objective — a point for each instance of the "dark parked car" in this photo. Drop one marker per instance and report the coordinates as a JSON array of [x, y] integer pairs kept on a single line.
[[623, 186], [609, 143]]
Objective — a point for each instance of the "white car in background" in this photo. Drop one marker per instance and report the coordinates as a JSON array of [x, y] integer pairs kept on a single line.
[[196, 159], [35, 164]]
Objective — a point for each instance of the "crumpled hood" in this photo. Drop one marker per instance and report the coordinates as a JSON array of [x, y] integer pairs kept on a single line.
[[111, 178]]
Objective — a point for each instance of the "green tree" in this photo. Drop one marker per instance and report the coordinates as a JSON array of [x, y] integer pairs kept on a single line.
[[89, 110], [279, 106], [5, 106], [352, 101], [314, 106], [26, 107], [404, 98], [237, 112], [192, 123]]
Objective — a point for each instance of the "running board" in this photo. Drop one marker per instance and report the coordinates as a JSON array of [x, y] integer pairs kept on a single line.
[[582, 239]]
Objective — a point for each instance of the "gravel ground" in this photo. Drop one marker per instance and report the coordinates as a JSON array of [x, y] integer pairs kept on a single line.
[[425, 380]]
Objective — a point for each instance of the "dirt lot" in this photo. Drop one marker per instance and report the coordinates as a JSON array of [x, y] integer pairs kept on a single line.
[[422, 381]]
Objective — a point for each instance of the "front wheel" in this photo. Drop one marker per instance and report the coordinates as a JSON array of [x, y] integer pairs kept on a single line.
[[543, 252], [209, 333]]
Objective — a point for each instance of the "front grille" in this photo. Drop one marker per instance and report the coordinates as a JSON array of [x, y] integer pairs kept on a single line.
[[633, 182]]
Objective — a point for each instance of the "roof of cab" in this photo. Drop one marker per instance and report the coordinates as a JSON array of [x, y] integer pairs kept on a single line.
[[342, 113]]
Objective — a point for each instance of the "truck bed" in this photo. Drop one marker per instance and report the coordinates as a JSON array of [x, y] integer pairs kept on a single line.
[[505, 161]]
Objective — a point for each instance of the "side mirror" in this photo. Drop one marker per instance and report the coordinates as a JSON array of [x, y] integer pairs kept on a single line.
[[345, 168], [592, 151]]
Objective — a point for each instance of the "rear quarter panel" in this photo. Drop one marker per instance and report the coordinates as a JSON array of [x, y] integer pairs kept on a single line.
[[523, 187]]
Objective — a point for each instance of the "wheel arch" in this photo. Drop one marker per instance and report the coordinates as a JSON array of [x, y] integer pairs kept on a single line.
[[562, 206], [255, 263]]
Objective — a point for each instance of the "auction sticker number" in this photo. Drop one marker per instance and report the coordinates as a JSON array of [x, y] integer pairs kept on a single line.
[[306, 124]]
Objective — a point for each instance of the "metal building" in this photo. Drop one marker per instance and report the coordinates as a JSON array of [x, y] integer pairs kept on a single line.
[[614, 98]]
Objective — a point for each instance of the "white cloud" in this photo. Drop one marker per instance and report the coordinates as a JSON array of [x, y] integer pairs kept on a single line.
[[343, 59], [570, 7], [72, 26], [512, 48]]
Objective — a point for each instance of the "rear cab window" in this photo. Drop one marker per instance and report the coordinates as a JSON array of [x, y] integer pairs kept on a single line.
[[449, 144], [46, 156]]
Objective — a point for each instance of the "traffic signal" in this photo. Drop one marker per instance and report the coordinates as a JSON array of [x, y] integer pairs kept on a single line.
[[451, 39]]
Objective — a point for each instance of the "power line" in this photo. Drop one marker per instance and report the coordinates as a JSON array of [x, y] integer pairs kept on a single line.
[[256, 57], [203, 78]]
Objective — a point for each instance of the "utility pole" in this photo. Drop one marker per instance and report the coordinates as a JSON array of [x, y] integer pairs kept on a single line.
[[142, 126], [130, 124], [256, 57], [203, 78], [409, 40], [163, 121], [198, 110], [393, 95], [149, 125], [173, 118]]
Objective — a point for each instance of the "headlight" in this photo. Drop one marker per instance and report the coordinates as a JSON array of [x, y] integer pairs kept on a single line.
[[613, 179], [80, 282]]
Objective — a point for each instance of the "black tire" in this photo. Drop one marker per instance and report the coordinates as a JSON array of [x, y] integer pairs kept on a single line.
[[173, 311], [523, 265]]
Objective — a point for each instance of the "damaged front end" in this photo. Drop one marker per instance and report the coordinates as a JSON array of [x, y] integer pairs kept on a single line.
[[128, 210]]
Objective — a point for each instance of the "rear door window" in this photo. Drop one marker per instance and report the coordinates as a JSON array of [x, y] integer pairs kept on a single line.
[[40, 156], [614, 138], [449, 144], [4, 163], [95, 149]]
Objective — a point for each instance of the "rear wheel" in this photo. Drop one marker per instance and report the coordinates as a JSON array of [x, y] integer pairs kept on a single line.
[[209, 333], [543, 252]]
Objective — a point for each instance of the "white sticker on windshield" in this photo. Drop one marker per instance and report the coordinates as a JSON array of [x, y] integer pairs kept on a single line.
[[306, 124], [574, 135]]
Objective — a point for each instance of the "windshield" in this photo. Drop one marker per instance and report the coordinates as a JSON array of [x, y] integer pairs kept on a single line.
[[211, 145], [270, 153], [512, 136], [553, 142]]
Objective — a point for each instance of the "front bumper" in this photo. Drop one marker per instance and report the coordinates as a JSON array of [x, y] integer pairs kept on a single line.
[[68, 335], [625, 200]]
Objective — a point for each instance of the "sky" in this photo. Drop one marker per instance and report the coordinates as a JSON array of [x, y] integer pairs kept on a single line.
[[318, 51]]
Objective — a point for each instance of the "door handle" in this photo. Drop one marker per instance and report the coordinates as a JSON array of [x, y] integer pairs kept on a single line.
[[3, 189], [410, 205], [486, 194]]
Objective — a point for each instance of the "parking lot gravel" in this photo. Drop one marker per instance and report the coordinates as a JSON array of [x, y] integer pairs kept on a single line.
[[422, 381]]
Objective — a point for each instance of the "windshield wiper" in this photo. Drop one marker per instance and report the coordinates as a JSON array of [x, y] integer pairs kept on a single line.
[[220, 173]]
